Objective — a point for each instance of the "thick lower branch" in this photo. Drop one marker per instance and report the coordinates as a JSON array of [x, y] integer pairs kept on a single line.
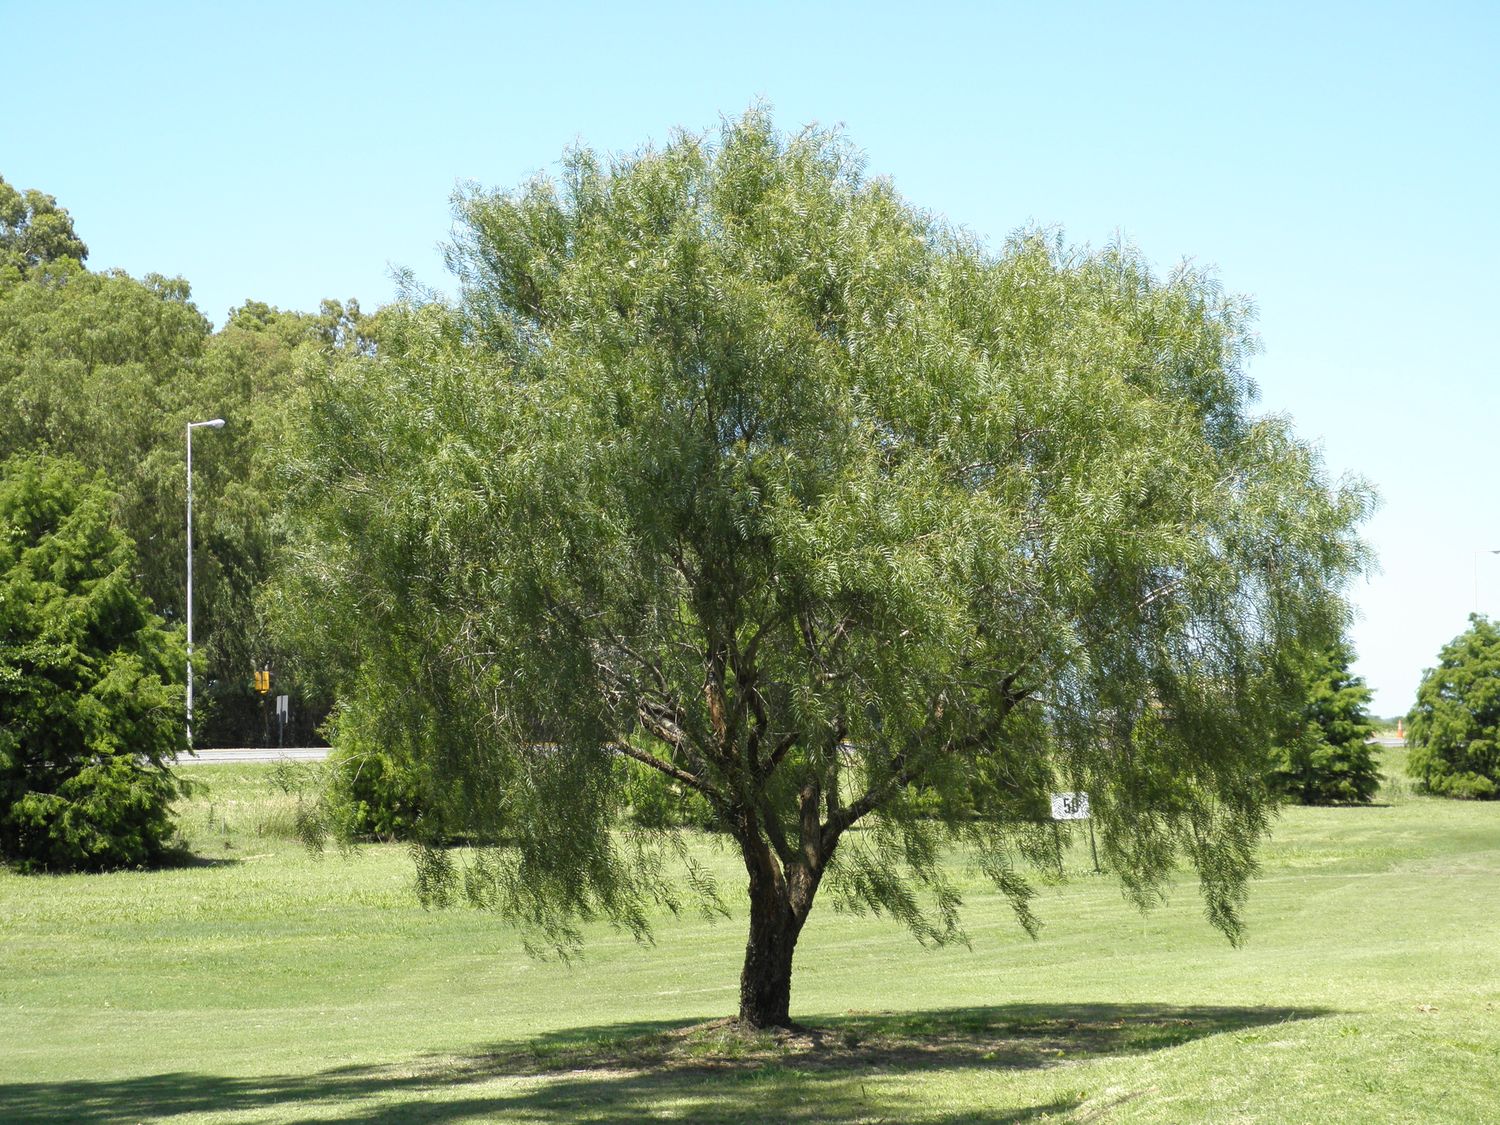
[[691, 780], [907, 766], [808, 801]]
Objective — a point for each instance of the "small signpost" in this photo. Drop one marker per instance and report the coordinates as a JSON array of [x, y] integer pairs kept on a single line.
[[1075, 806], [263, 689], [283, 716]]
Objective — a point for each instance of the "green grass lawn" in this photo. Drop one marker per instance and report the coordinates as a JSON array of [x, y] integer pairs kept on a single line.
[[268, 984]]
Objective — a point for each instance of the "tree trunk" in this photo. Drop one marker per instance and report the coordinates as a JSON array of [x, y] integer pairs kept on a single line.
[[766, 980]]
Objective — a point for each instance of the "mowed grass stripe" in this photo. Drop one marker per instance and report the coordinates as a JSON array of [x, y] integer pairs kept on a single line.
[[272, 985]]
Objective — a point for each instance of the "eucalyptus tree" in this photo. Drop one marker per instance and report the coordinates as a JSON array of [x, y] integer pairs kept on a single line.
[[100, 366], [730, 463], [34, 230]]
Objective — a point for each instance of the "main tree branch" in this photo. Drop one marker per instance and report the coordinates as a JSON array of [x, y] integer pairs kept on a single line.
[[691, 780]]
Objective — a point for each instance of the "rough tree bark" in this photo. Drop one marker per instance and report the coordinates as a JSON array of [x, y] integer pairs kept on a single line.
[[766, 979], [783, 883]]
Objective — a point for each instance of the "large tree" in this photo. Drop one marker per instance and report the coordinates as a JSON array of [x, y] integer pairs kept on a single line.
[[732, 463]]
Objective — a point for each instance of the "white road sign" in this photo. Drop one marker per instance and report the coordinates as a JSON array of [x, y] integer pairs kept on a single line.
[[1070, 806]]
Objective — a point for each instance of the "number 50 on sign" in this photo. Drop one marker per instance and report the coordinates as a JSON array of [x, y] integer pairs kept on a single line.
[[1070, 806]]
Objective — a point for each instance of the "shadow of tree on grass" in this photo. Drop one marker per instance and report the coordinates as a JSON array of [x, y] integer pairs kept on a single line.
[[844, 1070], [184, 858]]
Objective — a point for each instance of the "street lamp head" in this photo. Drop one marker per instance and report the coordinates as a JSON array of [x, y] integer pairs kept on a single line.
[[213, 424]]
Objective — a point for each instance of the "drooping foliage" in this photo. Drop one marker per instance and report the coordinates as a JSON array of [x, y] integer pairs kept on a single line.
[[1323, 755], [731, 463], [1453, 731], [89, 680]]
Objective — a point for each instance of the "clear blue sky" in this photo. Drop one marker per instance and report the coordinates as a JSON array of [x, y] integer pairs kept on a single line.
[[1341, 163]]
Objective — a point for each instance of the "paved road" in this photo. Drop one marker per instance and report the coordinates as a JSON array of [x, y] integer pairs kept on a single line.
[[253, 754], [319, 753]]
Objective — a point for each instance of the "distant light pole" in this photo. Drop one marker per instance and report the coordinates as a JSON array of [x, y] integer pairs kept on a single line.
[[1476, 575], [213, 424]]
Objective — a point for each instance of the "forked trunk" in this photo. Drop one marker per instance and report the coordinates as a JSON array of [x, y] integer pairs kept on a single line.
[[780, 899]]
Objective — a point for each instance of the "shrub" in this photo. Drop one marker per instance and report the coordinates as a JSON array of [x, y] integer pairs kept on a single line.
[[377, 794], [88, 680], [373, 795], [1453, 732], [373, 787]]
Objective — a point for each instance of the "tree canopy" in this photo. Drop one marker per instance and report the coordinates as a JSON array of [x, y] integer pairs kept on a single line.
[[732, 463], [1453, 730], [107, 369], [34, 230]]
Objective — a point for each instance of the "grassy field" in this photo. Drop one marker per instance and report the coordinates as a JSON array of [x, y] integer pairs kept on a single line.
[[267, 984]]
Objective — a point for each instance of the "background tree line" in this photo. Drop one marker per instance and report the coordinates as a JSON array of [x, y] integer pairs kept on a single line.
[[106, 369]]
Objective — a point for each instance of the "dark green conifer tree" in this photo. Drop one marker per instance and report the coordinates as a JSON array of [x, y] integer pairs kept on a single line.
[[89, 679], [1453, 731], [1325, 756]]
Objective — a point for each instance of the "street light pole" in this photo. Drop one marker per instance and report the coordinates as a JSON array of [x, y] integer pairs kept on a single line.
[[213, 424], [1476, 575]]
